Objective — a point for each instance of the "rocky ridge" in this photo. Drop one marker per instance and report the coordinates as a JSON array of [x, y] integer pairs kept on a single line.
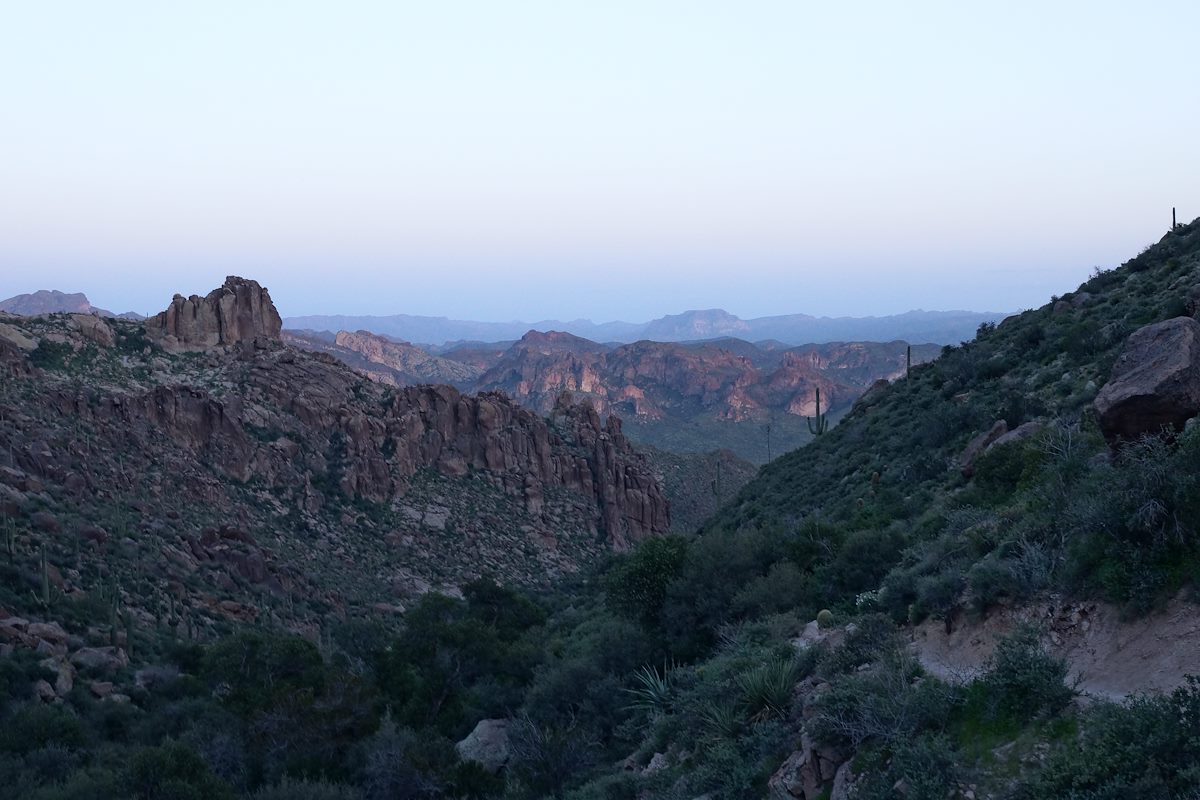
[[251, 480], [240, 311], [661, 389]]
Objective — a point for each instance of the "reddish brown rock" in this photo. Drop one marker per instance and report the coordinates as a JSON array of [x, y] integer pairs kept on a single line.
[[1155, 382], [240, 311]]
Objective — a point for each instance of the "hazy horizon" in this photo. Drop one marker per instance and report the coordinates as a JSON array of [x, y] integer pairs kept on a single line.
[[546, 160]]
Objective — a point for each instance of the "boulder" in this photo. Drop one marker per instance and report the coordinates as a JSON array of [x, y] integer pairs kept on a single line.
[[1155, 382], [94, 329], [487, 745], [240, 311], [44, 691], [796, 779], [1018, 434], [104, 659], [50, 631], [657, 764], [17, 338], [978, 445], [45, 522], [842, 783]]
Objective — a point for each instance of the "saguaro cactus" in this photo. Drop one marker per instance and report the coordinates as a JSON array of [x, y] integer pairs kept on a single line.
[[716, 484], [114, 613], [45, 579], [820, 423]]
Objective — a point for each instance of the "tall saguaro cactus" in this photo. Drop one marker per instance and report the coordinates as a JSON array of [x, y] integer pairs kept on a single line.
[[820, 423], [45, 579]]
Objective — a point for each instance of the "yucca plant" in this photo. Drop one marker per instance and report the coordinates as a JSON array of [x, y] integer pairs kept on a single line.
[[767, 689], [651, 691], [723, 718]]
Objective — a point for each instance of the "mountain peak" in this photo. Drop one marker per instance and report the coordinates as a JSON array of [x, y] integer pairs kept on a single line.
[[48, 301]]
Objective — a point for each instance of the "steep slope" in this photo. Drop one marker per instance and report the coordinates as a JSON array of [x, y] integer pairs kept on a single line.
[[240, 478], [999, 440]]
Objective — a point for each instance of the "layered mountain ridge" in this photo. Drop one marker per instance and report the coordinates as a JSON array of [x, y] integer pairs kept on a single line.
[[938, 327], [662, 390]]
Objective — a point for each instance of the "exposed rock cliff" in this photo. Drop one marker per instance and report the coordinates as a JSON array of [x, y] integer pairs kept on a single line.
[[240, 311], [309, 479]]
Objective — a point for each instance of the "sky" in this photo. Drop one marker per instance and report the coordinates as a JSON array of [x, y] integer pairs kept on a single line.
[[566, 159]]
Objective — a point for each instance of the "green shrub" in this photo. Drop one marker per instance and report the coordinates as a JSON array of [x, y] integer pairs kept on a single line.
[[885, 703], [252, 670], [767, 689], [293, 789], [33, 727], [1024, 680], [51, 355], [1147, 748], [171, 772], [637, 585]]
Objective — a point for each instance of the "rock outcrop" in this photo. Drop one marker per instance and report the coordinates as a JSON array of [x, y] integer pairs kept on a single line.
[[240, 311], [1155, 382], [410, 363], [255, 470], [806, 772], [486, 745], [977, 446], [727, 380]]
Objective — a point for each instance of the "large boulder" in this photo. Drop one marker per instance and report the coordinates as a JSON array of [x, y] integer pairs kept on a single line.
[[1155, 382], [240, 311], [94, 328], [487, 745], [976, 447]]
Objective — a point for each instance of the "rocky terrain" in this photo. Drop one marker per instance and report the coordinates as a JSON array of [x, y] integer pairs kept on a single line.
[[387, 361], [685, 397], [200, 464]]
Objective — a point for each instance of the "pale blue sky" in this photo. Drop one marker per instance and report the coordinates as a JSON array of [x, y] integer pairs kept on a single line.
[[501, 160]]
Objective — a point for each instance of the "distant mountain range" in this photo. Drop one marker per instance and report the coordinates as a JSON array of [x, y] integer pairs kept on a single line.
[[50, 301], [682, 396], [936, 327]]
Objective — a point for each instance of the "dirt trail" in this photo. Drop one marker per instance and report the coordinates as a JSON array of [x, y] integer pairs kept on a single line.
[[1111, 657]]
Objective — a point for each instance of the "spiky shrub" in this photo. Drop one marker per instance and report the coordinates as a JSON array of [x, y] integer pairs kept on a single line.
[[723, 719], [651, 691], [767, 689]]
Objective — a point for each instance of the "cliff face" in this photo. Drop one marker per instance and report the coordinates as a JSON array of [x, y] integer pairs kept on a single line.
[[731, 381], [240, 311], [325, 484], [411, 363]]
